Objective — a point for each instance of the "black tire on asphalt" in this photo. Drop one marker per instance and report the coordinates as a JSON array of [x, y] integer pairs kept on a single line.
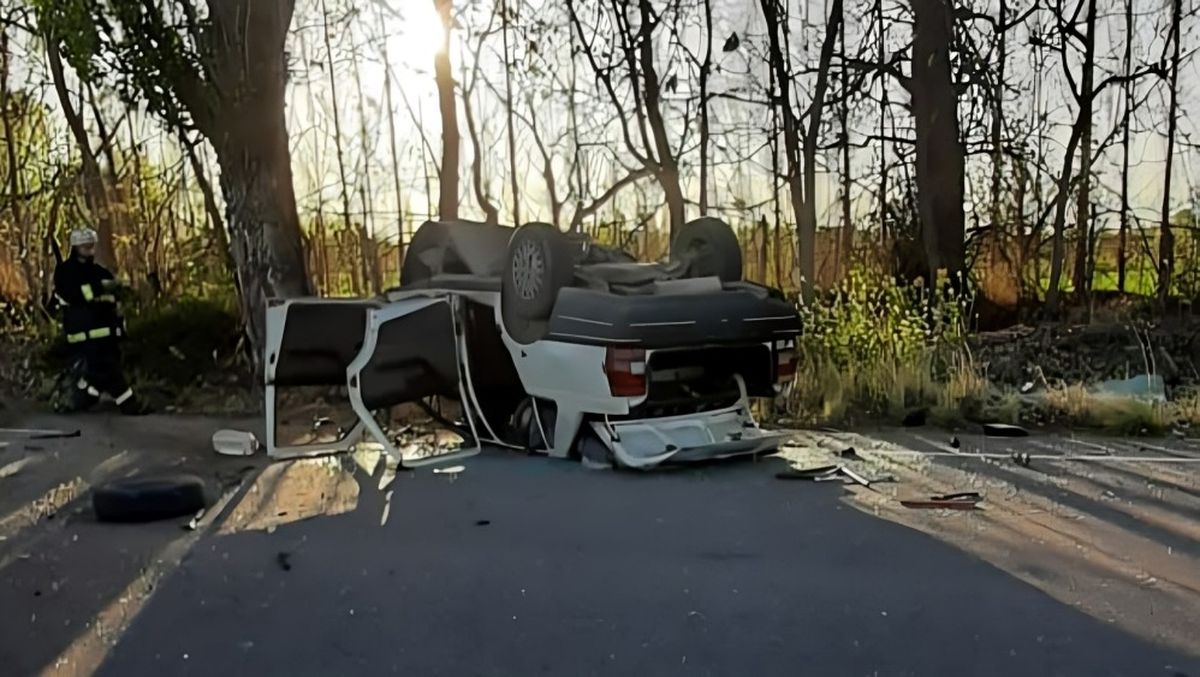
[[540, 263], [148, 499], [709, 247]]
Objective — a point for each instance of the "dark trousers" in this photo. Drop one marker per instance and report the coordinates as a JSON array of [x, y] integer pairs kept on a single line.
[[98, 362]]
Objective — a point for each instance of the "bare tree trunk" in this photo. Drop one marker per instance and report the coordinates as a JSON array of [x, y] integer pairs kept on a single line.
[[807, 223], [143, 230], [490, 212], [883, 115], [248, 130], [15, 188], [845, 257], [705, 69], [775, 174], [95, 192], [370, 253], [941, 157], [448, 180], [998, 118], [357, 279], [508, 109], [576, 146], [1058, 247], [1083, 199], [1126, 116], [391, 118], [220, 238], [556, 203], [1166, 249], [668, 164], [778, 61]]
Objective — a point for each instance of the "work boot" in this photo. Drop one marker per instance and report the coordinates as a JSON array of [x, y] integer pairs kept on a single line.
[[135, 407]]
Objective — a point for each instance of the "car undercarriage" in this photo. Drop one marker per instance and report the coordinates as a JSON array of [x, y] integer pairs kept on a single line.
[[550, 344]]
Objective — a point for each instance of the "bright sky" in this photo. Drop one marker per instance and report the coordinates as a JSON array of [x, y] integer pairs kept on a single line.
[[411, 38]]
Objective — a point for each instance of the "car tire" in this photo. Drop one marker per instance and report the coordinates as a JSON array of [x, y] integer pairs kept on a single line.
[[709, 248], [148, 499], [413, 270], [540, 263]]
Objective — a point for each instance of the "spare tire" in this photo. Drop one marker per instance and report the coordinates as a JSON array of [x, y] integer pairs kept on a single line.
[[709, 248], [148, 499], [540, 263]]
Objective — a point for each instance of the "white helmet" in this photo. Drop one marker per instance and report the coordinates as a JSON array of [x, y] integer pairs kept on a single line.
[[83, 236]]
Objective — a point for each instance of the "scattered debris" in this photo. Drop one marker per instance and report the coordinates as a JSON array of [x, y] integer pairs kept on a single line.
[[15, 467], [850, 453], [807, 473], [284, 560], [954, 443], [1004, 430], [967, 500], [40, 433], [452, 470], [482, 523], [1022, 459], [234, 443], [55, 435], [855, 476], [194, 523], [829, 473], [387, 509]]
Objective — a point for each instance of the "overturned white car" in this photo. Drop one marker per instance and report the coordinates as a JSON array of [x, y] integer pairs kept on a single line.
[[551, 344]]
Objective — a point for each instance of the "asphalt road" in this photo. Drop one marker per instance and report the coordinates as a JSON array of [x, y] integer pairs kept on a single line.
[[526, 566]]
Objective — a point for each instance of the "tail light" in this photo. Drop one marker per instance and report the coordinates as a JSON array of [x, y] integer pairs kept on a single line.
[[626, 370], [785, 361]]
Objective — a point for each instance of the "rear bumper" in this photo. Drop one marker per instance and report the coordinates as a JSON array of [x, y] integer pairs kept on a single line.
[[723, 433]]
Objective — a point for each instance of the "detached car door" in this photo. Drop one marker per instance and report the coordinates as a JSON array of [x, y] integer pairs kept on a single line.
[[411, 351], [310, 342]]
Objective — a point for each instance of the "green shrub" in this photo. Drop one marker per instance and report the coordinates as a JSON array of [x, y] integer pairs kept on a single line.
[[873, 346], [178, 343]]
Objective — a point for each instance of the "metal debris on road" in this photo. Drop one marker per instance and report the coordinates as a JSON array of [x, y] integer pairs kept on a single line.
[[807, 473], [1004, 430], [15, 467], [387, 509], [966, 500], [830, 473], [41, 433], [851, 453]]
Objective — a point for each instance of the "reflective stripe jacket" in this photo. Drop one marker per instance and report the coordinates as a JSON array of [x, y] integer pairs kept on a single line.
[[85, 289]]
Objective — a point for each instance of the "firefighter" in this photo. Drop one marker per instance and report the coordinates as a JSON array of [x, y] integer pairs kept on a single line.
[[87, 291]]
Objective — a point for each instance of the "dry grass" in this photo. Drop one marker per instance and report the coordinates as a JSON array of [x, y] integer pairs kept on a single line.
[[1076, 404]]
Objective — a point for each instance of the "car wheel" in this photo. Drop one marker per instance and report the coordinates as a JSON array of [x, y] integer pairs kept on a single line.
[[147, 499], [709, 248], [415, 270], [540, 263], [524, 430]]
